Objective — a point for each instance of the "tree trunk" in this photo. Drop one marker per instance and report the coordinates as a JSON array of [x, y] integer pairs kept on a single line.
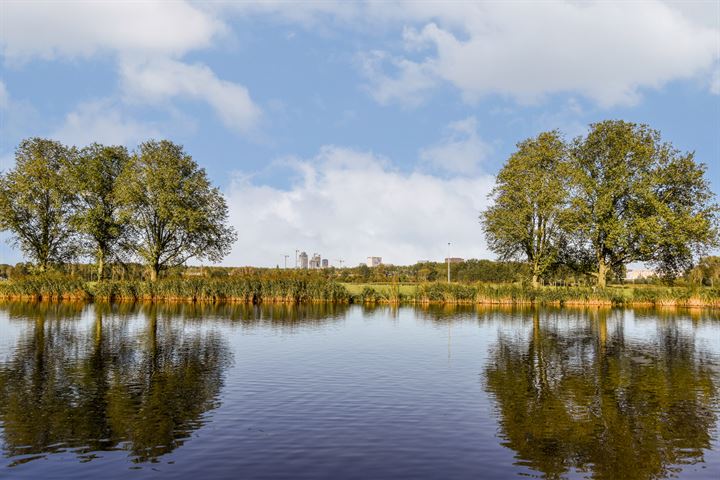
[[101, 266], [154, 271], [535, 283], [602, 272]]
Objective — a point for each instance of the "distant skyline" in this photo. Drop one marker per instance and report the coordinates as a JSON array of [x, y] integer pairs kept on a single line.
[[355, 129]]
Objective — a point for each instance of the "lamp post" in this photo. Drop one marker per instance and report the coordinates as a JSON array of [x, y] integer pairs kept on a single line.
[[448, 262]]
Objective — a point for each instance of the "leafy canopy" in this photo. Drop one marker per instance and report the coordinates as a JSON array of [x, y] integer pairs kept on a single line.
[[530, 198], [638, 199], [95, 177], [36, 202], [174, 212]]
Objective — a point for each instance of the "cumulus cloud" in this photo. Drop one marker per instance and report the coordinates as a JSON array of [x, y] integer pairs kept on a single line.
[[161, 80], [147, 39], [350, 205], [103, 121], [409, 85], [4, 96], [606, 51], [80, 28], [461, 150]]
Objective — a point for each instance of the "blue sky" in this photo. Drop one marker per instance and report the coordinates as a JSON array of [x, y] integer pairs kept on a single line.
[[355, 129]]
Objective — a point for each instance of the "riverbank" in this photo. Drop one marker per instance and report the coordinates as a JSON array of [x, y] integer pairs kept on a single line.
[[487, 294], [255, 290], [233, 289]]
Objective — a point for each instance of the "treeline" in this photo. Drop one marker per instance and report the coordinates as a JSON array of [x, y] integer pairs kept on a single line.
[[153, 205], [472, 270], [705, 273], [618, 195]]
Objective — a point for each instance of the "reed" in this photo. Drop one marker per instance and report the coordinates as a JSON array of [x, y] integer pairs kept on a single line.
[[298, 288], [252, 289], [45, 287], [455, 293]]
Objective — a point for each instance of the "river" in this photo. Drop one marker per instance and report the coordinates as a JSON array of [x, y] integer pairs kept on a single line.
[[333, 391]]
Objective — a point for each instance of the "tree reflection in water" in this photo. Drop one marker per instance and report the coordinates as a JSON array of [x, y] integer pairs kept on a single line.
[[576, 395], [108, 387]]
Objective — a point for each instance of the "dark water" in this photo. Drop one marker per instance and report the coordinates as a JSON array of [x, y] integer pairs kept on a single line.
[[182, 391]]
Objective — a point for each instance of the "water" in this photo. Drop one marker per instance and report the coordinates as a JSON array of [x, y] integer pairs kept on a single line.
[[183, 391]]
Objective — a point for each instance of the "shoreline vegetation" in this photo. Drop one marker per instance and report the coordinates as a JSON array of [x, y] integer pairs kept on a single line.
[[562, 212], [293, 290]]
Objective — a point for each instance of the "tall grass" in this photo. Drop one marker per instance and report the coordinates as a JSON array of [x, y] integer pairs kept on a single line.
[[45, 287], [453, 293], [253, 289], [234, 289]]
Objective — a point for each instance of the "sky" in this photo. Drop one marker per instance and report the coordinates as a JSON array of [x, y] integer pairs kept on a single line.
[[355, 129]]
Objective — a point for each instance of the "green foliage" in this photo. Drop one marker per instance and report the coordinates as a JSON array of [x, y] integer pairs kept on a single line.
[[615, 196], [529, 201], [94, 178], [706, 272], [637, 199], [175, 213], [36, 202]]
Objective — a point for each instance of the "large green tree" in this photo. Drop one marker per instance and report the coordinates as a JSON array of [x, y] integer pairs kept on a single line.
[[638, 199], [36, 202], [94, 177], [175, 213], [529, 202]]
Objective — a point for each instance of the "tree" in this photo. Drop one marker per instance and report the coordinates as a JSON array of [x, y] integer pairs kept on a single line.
[[684, 221], [175, 213], [95, 179], [36, 202], [708, 270], [637, 199], [530, 198]]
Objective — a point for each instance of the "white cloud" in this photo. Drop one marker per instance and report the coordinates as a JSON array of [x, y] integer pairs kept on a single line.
[[461, 149], [4, 96], [350, 205], [409, 86], [103, 122], [308, 14], [606, 51], [162, 79], [147, 39], [715, 81], [80, 28]]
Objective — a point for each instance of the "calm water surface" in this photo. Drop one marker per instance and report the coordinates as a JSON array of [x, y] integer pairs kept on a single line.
[[183, 391]]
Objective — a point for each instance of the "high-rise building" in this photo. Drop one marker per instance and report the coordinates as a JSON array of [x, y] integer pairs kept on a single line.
[[315, 261], [374, 261], [303, 260], [325, 263]]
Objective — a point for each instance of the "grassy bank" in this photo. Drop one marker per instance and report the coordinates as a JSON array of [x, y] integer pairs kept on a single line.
[[299, 289], [487, 294], [235, 289]]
